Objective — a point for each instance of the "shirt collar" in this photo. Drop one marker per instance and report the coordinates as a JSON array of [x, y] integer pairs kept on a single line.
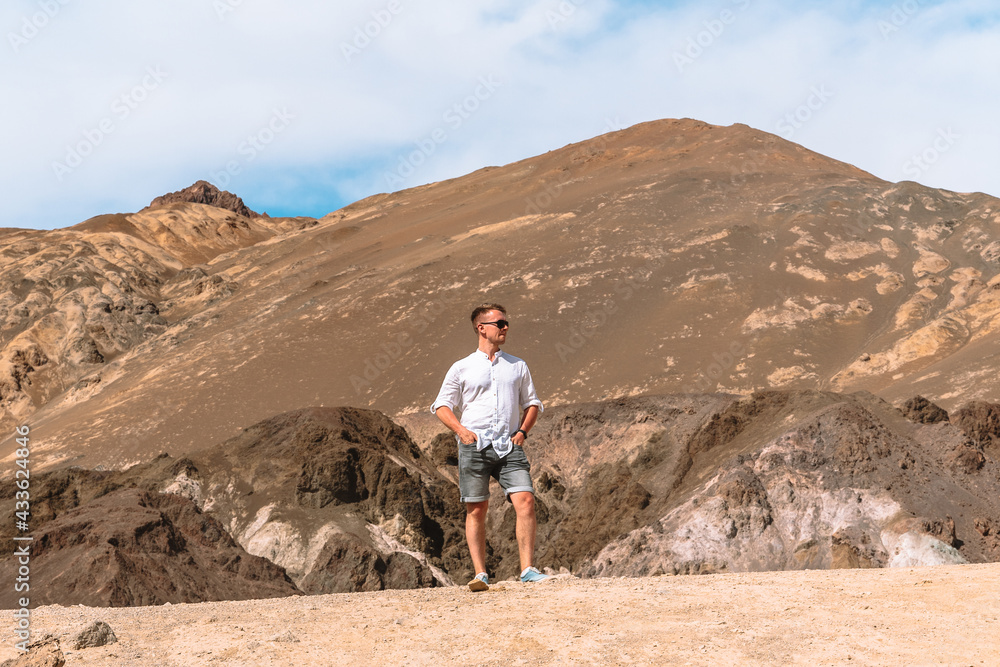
[[487, 357]]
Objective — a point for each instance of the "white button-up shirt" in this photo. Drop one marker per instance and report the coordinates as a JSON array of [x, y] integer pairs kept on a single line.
[[488, 397]]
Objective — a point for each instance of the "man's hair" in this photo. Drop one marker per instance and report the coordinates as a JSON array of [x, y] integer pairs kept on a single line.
[[485, 308]]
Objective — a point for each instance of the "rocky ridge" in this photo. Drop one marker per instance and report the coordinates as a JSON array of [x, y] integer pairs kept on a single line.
[[775, 481], [327, 500], [134, 548], [79, 303], [339, 497], [110, 538], [334, 500]]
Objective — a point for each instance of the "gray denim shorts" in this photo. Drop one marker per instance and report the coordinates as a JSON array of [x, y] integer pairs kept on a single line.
[[475, 469]]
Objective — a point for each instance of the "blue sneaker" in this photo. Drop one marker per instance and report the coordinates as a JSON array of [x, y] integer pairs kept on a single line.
[[531, 574], [480, 582]]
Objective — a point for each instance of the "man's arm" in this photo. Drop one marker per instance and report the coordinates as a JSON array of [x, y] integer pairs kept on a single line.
[[451, 394], [527, 421], [529, 398], [448, 418]]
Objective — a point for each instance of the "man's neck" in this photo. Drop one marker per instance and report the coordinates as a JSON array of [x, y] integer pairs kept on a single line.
[[489, 349]]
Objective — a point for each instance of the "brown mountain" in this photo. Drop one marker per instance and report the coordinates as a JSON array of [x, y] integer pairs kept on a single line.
[[341, 498], [644, 271], [671, 256], [78, 302]]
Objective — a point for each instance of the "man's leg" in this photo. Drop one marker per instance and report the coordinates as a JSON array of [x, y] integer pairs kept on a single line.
[[526, 527], [474, 488], [475, 533]]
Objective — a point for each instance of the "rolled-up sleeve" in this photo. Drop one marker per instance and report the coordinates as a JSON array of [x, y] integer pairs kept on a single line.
[[451, 390], [528, 395]]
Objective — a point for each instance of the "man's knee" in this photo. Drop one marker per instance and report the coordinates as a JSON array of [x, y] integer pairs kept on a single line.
[[523, 501], [477, 510]]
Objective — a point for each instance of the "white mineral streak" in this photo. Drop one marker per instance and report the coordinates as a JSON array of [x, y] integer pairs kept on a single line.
[[916, 549], [794, 513], [182, 485], [386, 544]]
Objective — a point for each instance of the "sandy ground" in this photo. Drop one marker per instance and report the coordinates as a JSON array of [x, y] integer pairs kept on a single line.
[[946, 615]]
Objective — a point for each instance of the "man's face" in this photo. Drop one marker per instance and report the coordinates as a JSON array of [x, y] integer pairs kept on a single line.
[[493, 333]]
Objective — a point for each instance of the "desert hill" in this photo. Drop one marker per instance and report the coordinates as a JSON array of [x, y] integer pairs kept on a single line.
[[670, 256], [83, 298]]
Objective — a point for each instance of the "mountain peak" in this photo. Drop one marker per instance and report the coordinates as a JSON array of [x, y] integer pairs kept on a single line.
[[203, 192]]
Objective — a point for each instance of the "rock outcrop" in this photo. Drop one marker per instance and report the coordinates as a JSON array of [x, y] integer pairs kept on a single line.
[[776, 480], [133, 547], [335, 500], [45, 652], [329, 500], [922, 411], [203, 192], [815, 480], [981, 422], [340, 497], [96, 634]]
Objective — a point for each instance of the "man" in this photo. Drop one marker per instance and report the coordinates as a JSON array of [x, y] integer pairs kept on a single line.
[[489, 389]]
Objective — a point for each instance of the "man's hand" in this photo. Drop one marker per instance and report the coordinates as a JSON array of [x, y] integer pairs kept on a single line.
[[530, 415], [448, 418]]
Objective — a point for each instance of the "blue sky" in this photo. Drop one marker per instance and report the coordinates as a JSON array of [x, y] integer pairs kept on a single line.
[[304, 107]]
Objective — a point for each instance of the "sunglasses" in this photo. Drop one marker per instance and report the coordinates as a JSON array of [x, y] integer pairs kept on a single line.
[[501, 324]]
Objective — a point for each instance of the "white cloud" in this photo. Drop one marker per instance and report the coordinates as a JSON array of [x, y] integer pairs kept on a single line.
[[565, 67]]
